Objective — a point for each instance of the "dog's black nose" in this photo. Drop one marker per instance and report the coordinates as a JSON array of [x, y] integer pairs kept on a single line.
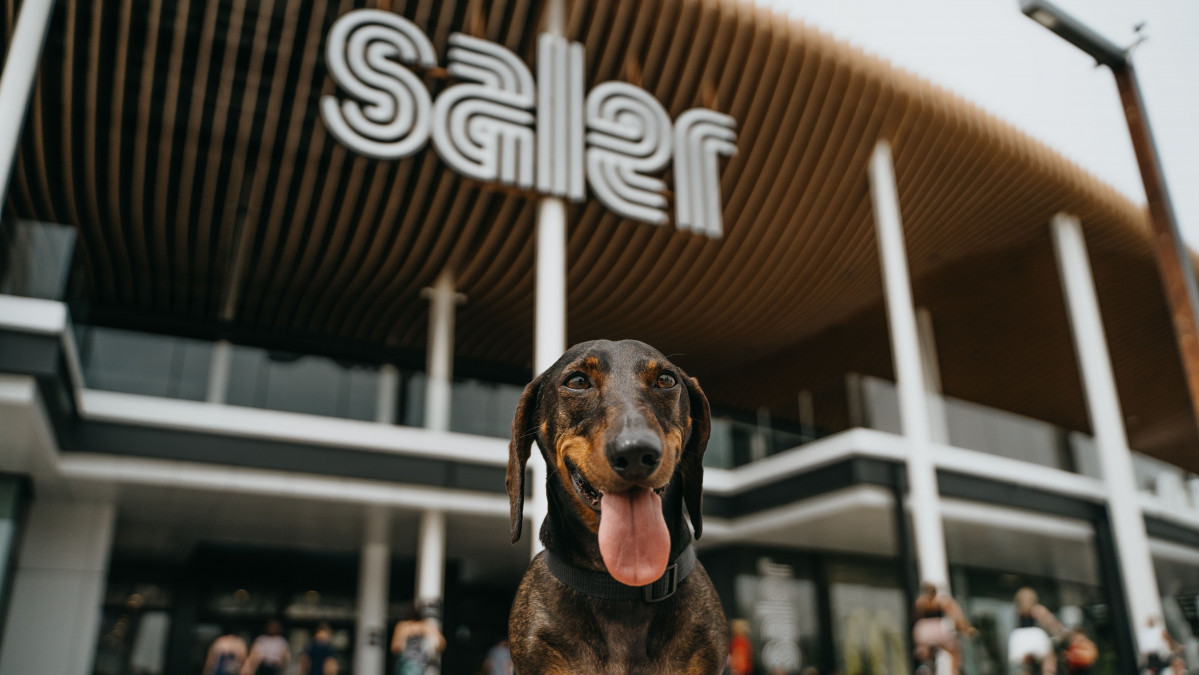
[[634, 453]]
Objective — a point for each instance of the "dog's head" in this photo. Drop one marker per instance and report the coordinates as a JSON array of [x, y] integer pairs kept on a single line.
[[616, 423]]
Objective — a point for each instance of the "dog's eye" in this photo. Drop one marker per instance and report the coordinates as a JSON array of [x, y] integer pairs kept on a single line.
[[666, 381], [577, 381]]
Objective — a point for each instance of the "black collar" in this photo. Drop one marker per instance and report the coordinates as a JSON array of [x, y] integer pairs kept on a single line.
[[602, 585]]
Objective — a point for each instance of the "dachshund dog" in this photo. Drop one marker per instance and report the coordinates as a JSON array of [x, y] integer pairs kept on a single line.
[[618, 588]]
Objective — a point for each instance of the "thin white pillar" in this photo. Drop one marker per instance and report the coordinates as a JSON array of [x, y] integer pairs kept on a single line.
[[549, 331], [385, 398], [909, 372], [1107, 421], [374, 571], [430, 560], [937, 417], [440, 355], [16, 82], [58, 589], [218, 372]]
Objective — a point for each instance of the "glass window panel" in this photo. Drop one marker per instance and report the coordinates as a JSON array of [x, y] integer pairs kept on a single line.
[[129, 362], [247, 376], [307, 384], [1054, 556], [780, 610], [363, 392], [193, 360], [1178, 582], [483, 408], [719, 454], [414, 400], [38, 258], [869, 618]]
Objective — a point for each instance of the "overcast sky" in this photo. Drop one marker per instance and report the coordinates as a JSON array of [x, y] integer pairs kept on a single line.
[[990, 53]]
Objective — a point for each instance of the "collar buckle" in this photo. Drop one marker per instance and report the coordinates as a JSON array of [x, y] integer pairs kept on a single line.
[[664, 587]]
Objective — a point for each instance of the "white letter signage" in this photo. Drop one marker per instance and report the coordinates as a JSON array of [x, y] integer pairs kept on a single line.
[[496, 125]]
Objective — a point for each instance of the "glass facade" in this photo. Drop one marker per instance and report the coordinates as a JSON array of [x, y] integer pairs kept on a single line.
[[161, 616], [143, 363], [1178, 583], [483, 408], [815, 610], [1056, 557], [297, 383], [869, 617], [1177, 488], [985, 429], [152, 364], [35, 258]]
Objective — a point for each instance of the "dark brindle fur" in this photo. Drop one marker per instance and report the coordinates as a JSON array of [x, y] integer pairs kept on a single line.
[[634, 396]]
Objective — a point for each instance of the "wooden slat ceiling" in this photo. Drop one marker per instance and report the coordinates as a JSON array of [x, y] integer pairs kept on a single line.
[[175, 135]]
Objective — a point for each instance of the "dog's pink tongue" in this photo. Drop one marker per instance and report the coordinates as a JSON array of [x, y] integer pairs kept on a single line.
[[633, 538]]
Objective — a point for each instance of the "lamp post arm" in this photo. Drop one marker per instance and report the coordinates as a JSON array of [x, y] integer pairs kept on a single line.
[[1173, 255]]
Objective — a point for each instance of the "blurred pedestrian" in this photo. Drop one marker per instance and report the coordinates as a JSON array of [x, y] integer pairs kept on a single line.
[[939, 621], [319, 658], [417, 642], [1030, 642], [270, 652], [741, 650], [225, 656], [499, 659], [1156, 648]]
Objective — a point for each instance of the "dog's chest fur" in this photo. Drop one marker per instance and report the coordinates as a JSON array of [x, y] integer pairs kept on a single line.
[[555, 629]]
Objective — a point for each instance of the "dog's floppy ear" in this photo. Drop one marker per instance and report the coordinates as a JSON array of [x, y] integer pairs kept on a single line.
[[524, 432], [693, 453]]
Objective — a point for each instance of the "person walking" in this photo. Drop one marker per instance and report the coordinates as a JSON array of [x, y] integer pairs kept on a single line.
[[741, 650], [499, 659], [1030, 642], [225, 656], [1156, 648], [417, 642], [270, 652], [320, 658], [939, 621]]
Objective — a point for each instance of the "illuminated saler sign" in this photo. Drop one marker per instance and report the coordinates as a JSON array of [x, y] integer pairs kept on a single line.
[[497, 126]]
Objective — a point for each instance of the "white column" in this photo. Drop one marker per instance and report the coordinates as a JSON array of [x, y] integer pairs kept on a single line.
[[909, 372], [440, 357], [54, 614], [549, 333], [1107, 421], [430, 560], [937, 418], [373, 575], [218, 372], [16, 82], [385, 398]]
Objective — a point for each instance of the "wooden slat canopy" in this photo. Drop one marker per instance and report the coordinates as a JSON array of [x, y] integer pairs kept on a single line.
[[178, 137]]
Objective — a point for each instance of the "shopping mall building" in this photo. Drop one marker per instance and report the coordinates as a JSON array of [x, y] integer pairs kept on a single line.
[[274, 275]]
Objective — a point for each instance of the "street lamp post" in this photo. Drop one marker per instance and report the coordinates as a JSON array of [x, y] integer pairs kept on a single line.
[[1173, 257]]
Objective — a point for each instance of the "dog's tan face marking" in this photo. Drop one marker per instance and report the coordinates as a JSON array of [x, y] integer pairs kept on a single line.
[[597, 395], [611, 417], [571, 450]]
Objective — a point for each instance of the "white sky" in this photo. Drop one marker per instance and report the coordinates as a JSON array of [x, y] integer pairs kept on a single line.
[[990, 53]]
